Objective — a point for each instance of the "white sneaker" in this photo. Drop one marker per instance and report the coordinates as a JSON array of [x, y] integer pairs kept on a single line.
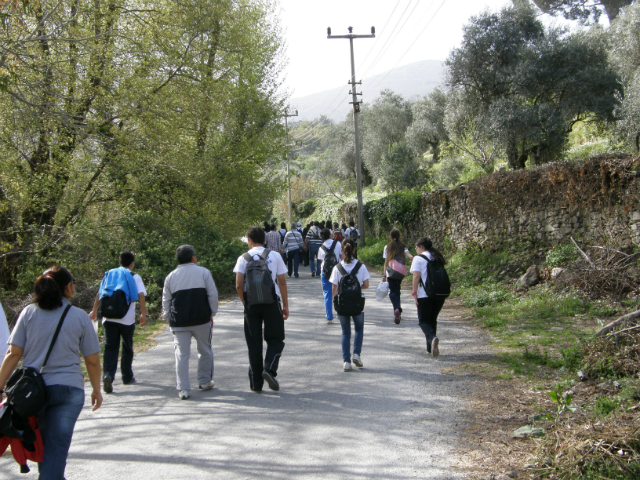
[[347, 366], [435, 351], [207, 386], [329, 321], [184, 394], [356, 360]]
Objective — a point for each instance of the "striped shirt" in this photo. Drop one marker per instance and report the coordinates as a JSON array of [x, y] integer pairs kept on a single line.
[[273, 241], [292, 241], [314, 236]]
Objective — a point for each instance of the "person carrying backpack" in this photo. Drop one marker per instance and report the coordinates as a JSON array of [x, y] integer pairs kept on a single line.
[[293, 245], [431, 287], [261, 285], [353, 234], [120, 329], [312, 244], [330, 253], [348, 279], [337, 233], [395, 269]]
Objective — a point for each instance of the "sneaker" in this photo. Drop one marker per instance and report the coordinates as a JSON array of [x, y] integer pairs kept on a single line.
[[329, 320], [130, 382], [271, 380], [184, 394], [207, 386], [255, 391], [356, 361], [107, 384], [296, 275], [434, 347], [313, 274], [396, 314], [347, 366]]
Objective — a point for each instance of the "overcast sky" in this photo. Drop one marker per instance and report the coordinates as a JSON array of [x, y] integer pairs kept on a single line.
[[407, 31]]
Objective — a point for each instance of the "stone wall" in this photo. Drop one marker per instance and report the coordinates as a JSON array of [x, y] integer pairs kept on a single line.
[[586, 200]]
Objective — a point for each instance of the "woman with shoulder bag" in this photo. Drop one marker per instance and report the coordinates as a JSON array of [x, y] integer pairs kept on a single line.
[[62, 375], [395, 269]]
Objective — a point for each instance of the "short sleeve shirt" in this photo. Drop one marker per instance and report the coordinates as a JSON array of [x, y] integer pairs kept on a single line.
[[337, 250], [419, 264], [384, 252], [33, 333], [130, 317], [362, 275], [274, 263]]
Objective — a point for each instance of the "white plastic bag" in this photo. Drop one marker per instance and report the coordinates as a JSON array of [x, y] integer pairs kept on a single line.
[[382, 291]]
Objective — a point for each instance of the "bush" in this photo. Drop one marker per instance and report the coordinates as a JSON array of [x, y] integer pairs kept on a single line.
[[486, 295], [372, 252], [562, 255], [395, 209]]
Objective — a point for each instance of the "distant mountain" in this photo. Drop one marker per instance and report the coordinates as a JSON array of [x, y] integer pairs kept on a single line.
[[412, 81]]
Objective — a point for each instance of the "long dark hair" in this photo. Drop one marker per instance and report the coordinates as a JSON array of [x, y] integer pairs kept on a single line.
[[395, 246], [348, 246], [425, 243], [50, 287]]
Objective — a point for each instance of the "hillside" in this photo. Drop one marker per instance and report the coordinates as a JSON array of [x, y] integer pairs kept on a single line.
[[413, 80]]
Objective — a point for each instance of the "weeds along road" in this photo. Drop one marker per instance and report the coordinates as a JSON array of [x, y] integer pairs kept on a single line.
[[398, 417]]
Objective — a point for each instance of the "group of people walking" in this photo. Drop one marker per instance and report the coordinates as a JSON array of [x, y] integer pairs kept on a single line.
[[189, 305]]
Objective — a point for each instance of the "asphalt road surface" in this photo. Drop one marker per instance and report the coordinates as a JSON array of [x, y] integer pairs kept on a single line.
[[398, 417]]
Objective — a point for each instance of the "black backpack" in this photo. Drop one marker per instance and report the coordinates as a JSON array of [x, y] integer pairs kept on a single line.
[[114, 306], [259, 288], [330, 259], [438, 284], [353, 234], [349, 301], [26, 390]]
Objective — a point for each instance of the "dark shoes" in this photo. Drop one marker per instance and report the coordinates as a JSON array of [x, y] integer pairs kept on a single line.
[[107, 384], [271, 380], [396, 314], [130, 382], [313, 274]]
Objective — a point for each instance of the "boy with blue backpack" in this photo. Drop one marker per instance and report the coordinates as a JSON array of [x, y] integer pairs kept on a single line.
[[261, 285]]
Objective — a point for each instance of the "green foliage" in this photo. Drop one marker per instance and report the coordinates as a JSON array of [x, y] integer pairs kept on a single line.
[[562, 254], [372, 252], [395, 209], [487, 295], [605, 406], [304, 209], [572, 357], [610, 469]]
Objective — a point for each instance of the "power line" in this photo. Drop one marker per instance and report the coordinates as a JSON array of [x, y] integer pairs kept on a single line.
[[380, 34], [412, 44]]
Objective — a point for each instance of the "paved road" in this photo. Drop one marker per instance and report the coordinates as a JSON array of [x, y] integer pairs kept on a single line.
[[397, 418]]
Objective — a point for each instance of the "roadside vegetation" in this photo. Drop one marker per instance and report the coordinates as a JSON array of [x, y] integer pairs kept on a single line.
[[585, 425]]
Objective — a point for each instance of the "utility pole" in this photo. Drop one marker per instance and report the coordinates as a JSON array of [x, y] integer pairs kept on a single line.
[[286, 127], [356, 111]]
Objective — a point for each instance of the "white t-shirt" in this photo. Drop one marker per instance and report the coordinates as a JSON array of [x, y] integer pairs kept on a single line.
[[4, 333], [384, 252], [130, 317], [347, 232], [274, 263], [419, 264], [337, 249], [362, 275]]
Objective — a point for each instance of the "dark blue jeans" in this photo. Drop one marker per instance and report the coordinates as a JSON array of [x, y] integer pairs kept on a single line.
[[56, 426], [313, 258], [293, 262], [394, 293], [358, 324]]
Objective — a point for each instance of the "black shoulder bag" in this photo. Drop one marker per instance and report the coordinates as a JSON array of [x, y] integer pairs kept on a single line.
[[25, 390]]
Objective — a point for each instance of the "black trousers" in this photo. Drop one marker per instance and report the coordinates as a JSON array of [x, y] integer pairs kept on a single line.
[[114, 333], [394, 293], [254, 318], [428, 311]]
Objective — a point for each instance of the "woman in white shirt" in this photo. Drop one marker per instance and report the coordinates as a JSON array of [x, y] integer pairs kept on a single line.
[[395, 254], [428, 308], [349, 263]]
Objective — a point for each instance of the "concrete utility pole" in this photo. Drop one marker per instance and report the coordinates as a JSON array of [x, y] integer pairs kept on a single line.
[[356, 111], [286, 127]]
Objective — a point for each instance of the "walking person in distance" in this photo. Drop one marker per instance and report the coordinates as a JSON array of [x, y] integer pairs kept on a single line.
[[429, 261], [31, 339], [330, 253], [348, 278], [293, 246], [261, 286], [395, 269], [312, 244]]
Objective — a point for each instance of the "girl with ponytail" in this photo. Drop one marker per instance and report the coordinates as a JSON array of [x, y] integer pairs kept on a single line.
[[62, 375], [428, 308], [394, 253]]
